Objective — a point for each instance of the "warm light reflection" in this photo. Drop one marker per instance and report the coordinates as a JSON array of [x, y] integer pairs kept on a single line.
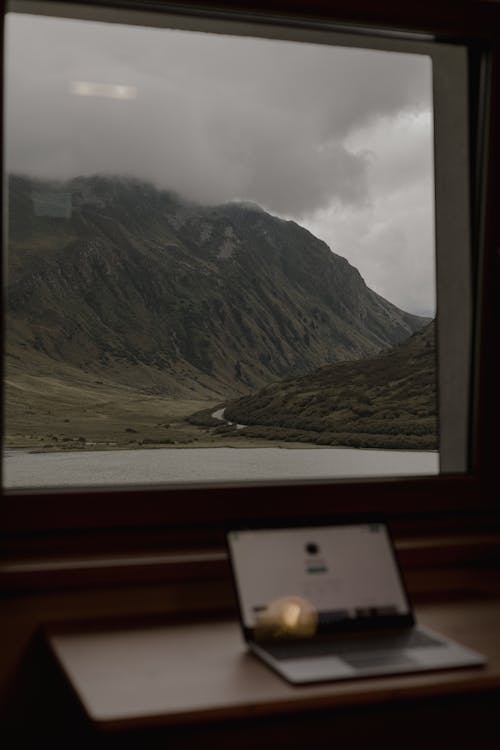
[[287, 617], [291, 614], [105, 90]]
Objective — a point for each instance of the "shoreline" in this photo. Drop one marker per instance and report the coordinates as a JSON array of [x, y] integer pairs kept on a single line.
[[190, 446]]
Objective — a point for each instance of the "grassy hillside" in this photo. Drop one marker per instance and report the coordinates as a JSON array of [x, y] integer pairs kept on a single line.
[[385, 402], [78, 412], [388, 401]]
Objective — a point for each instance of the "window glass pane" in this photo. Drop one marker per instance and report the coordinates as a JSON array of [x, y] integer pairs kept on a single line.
[[221, 260]]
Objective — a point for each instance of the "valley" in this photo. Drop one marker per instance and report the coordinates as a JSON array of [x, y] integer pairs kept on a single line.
[[44, 413], [134, 315]]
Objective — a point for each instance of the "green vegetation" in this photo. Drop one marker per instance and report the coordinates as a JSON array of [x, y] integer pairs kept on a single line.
[[76, 412], [387, 401]]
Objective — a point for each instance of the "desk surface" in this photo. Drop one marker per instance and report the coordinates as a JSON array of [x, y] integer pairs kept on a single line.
[[197, 672]]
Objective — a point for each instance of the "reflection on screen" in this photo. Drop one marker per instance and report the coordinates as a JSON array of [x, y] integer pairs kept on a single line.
[[296, 582]]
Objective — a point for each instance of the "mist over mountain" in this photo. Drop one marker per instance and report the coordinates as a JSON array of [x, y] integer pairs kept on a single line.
[[113, 276]]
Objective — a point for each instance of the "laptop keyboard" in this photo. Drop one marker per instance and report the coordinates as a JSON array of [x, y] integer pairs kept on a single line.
[[352, 647]]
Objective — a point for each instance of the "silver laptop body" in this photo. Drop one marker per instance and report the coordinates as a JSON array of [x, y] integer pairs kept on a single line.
[[329, 603]]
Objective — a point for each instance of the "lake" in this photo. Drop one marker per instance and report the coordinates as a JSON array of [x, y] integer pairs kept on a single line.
[[21, 468]]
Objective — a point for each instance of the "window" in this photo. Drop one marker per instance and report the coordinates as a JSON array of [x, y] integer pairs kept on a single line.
[[451, 121]]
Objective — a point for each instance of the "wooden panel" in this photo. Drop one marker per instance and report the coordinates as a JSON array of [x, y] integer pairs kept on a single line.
[[74, 572]]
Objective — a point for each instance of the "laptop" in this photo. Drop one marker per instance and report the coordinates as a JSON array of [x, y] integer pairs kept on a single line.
[[329, 603]]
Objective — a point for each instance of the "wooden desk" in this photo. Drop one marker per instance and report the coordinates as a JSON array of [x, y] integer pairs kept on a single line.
[[197, 673]]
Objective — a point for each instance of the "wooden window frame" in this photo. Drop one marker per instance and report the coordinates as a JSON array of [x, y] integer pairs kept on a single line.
[[47, 519]]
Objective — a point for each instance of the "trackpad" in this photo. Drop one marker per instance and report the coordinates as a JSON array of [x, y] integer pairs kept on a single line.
[[369, 661], [324, 668]]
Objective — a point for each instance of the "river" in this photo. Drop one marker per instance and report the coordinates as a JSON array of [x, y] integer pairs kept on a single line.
[[22, 468]]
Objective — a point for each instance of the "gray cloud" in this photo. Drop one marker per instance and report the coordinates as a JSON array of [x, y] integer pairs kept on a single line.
[[391, 239], [298, 128], [215, 117]]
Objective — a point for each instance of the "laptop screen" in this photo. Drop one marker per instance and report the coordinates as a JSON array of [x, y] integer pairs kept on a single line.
[[302, 581]]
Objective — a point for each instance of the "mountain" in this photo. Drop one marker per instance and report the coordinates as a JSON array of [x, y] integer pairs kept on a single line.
[[112, 275], [388, 401]]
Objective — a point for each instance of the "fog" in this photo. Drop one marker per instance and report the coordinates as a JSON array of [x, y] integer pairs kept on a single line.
[[338, 139]]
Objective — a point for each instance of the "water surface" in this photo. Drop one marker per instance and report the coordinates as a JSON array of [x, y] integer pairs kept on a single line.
[[172, 465]]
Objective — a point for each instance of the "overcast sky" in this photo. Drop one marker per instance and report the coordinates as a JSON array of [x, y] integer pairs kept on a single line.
[[338, 139]]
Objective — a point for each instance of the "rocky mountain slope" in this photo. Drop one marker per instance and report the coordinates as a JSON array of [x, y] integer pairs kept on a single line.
[[113, 276]]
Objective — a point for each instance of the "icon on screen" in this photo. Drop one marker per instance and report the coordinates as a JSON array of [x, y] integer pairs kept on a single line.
[[312, 548]]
